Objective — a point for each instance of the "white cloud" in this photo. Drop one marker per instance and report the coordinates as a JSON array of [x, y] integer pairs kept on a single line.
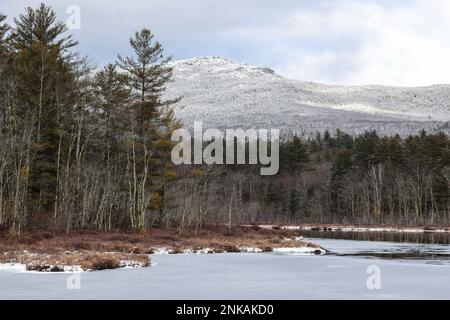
[[351, 42], [336, 41]]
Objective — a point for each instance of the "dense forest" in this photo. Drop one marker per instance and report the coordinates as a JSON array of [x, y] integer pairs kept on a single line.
[[83, 147], [341, 178], [80, 147]]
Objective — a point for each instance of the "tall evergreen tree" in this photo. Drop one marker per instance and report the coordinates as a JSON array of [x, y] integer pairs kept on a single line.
[[42, 66], [147, 74], [4, 51], [294, 155], [4, 28]]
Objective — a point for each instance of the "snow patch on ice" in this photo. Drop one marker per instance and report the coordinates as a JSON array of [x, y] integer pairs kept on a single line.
[[13, 267], [245, 249], [165, 251], [131, 264], [300, 250], [161, 251], [204, 251], [250, 249], [73, 269], [19, 267]]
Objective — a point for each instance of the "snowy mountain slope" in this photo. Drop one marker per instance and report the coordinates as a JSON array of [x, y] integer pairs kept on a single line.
[[224, 94]]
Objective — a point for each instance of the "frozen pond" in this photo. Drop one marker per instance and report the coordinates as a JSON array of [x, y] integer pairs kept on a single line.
[[255, 276]]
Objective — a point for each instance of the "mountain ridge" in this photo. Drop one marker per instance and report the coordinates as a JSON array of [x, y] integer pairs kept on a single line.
[[226, 94]]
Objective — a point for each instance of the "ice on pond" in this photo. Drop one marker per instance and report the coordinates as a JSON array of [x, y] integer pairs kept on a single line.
[[250, 276]]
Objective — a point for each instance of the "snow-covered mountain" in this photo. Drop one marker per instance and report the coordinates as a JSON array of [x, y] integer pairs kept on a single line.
[[225, 94]]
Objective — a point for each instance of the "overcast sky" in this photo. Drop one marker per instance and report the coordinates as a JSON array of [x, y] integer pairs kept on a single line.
[[402, 42]]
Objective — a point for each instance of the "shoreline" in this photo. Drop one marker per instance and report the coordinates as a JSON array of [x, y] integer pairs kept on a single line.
[[85, 251], [357, 228], [38, 251]]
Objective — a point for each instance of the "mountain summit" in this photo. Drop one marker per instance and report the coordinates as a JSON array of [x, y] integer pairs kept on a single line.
[[226, 94]]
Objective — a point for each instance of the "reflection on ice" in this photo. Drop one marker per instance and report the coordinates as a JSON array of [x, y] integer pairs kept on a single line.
[[387, 250]]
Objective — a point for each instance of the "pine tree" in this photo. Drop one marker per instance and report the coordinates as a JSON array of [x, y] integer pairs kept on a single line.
[[4, 28], [114, 97], [294, 155], [327, 139], [42, 65], [366, 150], [341, 167], [396, 152], [4, 48], [4, 63], [147, 74]]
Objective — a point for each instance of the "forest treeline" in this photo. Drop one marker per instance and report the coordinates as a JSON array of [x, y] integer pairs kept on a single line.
[[89, 148], [80, 147], [341, 178]]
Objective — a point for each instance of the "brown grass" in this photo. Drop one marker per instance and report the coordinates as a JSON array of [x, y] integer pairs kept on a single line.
[[143, 243], [87, 260], [107, 250]]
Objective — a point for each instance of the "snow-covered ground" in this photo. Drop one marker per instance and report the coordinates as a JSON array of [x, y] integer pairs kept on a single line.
[[19, 267], [225, 94], [251, 276], [298, 250]]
